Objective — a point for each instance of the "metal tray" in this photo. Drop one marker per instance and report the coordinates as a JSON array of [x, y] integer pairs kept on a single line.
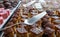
[[12, 12]]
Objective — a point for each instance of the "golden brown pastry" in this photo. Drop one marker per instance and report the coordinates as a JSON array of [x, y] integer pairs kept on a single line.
[[58, 33], [56, 12], [57, 27], [39, 23], [57, 21], [13, 27], [53, 18], [36, 32], [49, 24], [21, 32], [50, 32], [59, 14], [47, 17], [44, 21], [9, 32]]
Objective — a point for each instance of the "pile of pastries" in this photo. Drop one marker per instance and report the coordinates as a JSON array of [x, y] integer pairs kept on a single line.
[[8, 4], [48, 26]]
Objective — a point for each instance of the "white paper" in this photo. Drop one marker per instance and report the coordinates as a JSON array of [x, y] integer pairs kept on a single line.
[[30, 3], [38, 5], [42, 1]]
